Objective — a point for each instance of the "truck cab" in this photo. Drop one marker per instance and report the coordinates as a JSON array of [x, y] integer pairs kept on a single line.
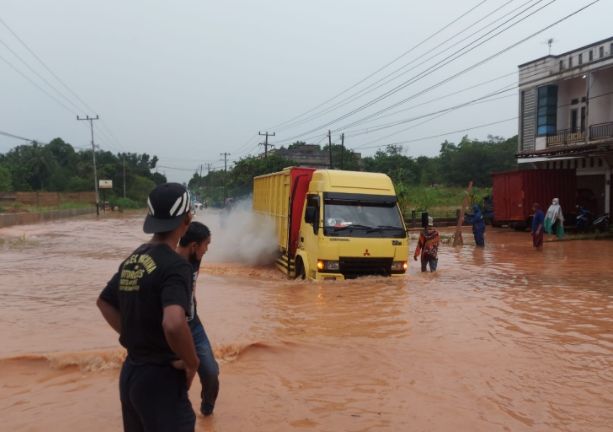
[[351, 226]]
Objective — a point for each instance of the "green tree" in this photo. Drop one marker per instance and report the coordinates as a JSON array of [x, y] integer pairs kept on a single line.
[[5, 179]]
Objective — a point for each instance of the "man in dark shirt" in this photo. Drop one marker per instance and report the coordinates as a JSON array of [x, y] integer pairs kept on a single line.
[[192, 246], [147, 302]]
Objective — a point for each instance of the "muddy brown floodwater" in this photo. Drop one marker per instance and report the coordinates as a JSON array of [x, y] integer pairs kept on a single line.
[[500, 339]]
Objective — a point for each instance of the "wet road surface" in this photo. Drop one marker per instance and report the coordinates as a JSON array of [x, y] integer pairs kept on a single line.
[[504, 338]]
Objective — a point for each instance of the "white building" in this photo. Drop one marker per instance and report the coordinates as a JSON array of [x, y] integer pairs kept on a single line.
[[566, 118]]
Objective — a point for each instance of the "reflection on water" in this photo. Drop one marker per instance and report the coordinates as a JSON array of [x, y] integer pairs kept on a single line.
[[501, 338]]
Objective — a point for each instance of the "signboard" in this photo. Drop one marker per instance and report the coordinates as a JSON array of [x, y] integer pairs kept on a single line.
[[105, 184]]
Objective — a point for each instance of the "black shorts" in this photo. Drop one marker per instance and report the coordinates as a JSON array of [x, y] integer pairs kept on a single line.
[[154, 398]]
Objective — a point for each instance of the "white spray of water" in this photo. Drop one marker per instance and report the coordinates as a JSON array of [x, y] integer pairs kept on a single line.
[[240, 235]]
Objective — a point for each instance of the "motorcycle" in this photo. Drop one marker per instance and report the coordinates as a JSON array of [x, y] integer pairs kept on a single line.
[[601, 223], [585, 221]]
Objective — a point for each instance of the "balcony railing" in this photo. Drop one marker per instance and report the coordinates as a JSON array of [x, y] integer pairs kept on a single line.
[[565, 137], [601, 131]]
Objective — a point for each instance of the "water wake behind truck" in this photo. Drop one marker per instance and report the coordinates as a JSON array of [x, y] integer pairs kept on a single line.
[[333, 224]]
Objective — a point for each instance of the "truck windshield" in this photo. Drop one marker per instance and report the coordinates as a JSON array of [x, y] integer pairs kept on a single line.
[[362, 219]]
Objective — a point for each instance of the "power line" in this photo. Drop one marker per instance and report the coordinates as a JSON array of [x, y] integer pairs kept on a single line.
[[481, 99], [439, 65], [375, 85], [438, 113], [487, 59], [441, 135], [45, 65], [10, 135], [443, 28], [31, 69], [106, 130], [58, 101]]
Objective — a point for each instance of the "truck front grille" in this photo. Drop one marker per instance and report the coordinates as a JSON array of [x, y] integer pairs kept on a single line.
[[354, 267]]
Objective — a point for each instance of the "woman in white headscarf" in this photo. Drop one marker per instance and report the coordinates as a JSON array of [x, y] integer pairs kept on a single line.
[[554, 219]]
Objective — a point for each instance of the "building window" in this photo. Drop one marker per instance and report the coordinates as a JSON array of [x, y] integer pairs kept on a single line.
[[581, 58], [570, 62], [573, 120], [611, 49], [601, 51], [547, 114], [591, 55], [561, 64]]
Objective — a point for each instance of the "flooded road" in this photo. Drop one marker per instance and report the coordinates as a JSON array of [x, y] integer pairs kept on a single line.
[[500, 339]]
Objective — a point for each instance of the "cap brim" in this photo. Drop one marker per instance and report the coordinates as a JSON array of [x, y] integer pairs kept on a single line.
[[154, 225]]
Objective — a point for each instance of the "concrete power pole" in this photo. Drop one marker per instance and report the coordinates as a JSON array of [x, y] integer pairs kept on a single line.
[[342, 149], [225, 172], [91, 126], [266, 145], [124, 175], [330, 147]]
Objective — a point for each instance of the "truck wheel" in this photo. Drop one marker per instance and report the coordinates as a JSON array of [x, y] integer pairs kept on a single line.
[[300, 273]]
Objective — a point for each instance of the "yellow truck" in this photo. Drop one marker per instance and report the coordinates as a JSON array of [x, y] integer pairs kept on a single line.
[[333, 224]]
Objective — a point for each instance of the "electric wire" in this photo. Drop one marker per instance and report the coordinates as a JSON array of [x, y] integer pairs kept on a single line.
[[437, 66], [442, 134], [405, 53], [384, 80], [107, 130]]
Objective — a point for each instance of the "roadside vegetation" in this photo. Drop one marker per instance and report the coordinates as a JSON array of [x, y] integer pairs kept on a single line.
[[435, 184], [58, 167]]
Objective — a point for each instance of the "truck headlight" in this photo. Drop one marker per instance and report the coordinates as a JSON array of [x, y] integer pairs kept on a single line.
[[400, 266], [325, 265]]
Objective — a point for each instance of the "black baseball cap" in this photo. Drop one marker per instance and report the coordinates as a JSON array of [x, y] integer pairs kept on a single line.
[[168, 204]]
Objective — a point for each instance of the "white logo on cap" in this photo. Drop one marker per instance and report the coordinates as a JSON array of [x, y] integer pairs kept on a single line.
[[181, 205]]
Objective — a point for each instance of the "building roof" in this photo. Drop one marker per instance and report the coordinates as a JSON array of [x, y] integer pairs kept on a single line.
[[600, 42]]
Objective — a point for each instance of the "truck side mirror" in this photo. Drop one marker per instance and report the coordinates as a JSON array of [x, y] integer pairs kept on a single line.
[[309, 214]]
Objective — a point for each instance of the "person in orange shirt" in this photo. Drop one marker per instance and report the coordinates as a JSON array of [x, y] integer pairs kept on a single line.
[[427, 247]]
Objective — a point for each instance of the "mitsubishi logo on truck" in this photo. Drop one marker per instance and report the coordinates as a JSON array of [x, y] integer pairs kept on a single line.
[[366, 253]]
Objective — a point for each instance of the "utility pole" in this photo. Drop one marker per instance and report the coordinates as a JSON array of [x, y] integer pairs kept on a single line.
[[266, 145], [91, 126], [342, 149], [225, 172], [330, 147], [124, 175]]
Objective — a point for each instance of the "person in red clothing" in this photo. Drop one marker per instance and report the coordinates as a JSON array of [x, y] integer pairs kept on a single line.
[[427, 247]]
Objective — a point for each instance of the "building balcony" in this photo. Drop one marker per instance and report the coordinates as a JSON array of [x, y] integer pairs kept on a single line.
[[566, 137], [601, 131]]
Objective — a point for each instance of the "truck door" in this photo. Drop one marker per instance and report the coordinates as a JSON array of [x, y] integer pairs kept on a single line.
[[309, 234]]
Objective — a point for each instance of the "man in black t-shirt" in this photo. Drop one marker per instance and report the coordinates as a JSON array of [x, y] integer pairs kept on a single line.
[[192, 246], [147, 302]]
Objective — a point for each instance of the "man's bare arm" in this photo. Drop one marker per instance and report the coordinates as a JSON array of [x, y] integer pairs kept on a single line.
[[110, 314]]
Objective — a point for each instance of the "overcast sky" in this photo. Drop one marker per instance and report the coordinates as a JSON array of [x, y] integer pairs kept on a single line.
[[187, 80]]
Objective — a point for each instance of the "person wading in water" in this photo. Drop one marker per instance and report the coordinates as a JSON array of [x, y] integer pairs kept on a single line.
[[538, 219], [192, 246], [427, 247]]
